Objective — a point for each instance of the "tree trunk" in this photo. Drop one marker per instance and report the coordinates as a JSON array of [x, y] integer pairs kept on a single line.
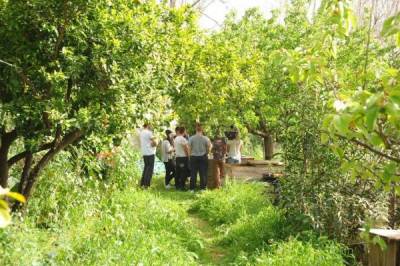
[[6, 141], [392, 208], [34, 173], [268, 147]]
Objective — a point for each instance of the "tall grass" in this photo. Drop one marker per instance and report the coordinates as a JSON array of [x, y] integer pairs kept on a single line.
[[230, 203], [81, 220], [256, 233]]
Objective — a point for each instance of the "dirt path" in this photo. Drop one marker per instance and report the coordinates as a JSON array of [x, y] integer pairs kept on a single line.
[[212, 254]]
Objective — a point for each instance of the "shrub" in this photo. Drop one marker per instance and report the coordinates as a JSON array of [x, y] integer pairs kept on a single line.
[[299, 253], [228, 204], [254, 232]]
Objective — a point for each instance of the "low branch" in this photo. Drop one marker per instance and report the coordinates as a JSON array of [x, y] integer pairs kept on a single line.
[[67, 140], [368, 147], [20, 156]]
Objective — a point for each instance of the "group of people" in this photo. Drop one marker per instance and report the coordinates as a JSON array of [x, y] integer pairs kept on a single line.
[[187, 157]]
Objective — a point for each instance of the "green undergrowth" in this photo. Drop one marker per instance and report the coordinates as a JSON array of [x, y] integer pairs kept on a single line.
[[74, 219], [86, 221], [256, 233]]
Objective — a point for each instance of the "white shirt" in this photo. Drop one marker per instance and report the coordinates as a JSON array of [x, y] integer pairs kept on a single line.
[[180, 142], [145, 142], [166, 149], [234, 149]]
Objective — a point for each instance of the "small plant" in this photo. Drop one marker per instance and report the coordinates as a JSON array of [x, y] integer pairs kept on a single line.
[[5, 217], [233, 201]]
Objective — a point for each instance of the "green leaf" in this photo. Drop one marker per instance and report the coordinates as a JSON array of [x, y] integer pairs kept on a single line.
[[16, 196], [342, 123], [376, 140], [324, 138], [370, 117]]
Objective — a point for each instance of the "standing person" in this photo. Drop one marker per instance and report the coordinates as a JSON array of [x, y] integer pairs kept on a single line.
[[200, 146], [182, 152], [167, 151], [235, 150], [148, 147], [219, 151]]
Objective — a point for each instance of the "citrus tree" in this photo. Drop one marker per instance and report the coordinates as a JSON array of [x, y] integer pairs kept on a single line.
[[73, 70]]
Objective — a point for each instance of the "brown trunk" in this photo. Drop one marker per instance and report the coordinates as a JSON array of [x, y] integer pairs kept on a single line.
[[392, 208], [6, 141], [24, 177], [268, 147], [34, 173], [25, 172]]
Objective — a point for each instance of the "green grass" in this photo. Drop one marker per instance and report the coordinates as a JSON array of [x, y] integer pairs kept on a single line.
[[76, 220], [253, 232], [230, 203], [298, 253]]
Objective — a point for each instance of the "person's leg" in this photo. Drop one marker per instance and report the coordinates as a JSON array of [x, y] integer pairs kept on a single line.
[[203, 167], [221, 172], [150, 170], [173, 172], [178, 172], [217, 174], [170, 170], [145, 166], [194, 169], [167, 173]]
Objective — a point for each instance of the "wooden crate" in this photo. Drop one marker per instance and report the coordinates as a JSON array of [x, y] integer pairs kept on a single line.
[[388, 257]]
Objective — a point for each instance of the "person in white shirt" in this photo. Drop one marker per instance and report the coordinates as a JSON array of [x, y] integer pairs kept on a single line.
[[167, 156], [182, 158], [234, 148], [148, 146]]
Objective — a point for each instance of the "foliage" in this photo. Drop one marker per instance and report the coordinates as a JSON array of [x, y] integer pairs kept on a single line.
[[5, 218], [227, 205], [264, 234], [122, 225], [256, 231], [299, 253], [73, 70]]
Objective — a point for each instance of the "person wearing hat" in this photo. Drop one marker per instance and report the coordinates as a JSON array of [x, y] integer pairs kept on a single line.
[[167, 156]]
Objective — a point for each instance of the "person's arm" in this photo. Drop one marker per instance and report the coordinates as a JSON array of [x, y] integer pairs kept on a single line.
[[224, 148], [186, 148], [153, 140], [170, 148], [209, 146]]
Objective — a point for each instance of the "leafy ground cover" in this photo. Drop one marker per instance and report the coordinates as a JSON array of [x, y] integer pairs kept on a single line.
[[86, 221]]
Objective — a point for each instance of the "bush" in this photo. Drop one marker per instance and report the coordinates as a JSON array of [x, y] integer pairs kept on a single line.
[[228, 204], [254, 232], [73, 219], [299, 253]]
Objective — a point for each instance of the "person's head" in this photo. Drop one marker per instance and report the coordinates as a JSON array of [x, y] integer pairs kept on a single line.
[[181, 130], [199, 129], [146, 125], [168, 133], [237, 135], [177, 129]]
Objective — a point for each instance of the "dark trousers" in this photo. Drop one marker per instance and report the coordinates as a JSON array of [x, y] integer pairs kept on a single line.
[[147, 170], [198, 164], [181, 172], [169, 171]]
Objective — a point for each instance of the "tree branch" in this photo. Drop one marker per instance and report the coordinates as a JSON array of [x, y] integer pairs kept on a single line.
[[366, 146], [20, 156]]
